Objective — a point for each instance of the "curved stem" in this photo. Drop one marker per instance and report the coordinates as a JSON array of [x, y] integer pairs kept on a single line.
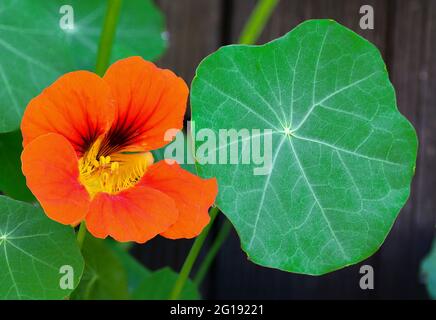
[[107, 36], [213, 250], [257, 21], [192, 256], [81, 234]]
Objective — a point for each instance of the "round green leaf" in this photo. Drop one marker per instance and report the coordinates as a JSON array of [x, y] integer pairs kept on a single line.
[[36, 50], [33, 54], [342, 155], [33, 252]]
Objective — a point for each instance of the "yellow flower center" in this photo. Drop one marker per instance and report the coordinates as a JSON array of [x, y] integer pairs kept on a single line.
[[111, 173]]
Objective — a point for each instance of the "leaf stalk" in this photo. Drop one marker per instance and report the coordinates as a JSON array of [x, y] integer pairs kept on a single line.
[[107, 36], [192, 256]]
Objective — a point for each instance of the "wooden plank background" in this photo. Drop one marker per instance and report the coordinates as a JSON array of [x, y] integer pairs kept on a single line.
[[405, 33]]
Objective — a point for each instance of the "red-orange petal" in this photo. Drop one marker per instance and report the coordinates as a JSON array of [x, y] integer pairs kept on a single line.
[[193, 197], [50, 165], [137, 214], [77, 106], [149, 100]]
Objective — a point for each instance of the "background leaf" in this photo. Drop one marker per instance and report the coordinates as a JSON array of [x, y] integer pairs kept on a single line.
[[140, 31], [342, 155], [158, 286], [36, 51], [112, 273], [136, 272], [12, 181], [33, 55], [428, 272], [104, 277], [33, 249]]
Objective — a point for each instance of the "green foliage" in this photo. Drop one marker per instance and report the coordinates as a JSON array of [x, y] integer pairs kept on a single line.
[[136, 272], [112, 273], [158, 286], [104, 277], [33, 249], [428, 271], [36, 50], [342, 155], [140, 31], [12, 181], [34, 54]]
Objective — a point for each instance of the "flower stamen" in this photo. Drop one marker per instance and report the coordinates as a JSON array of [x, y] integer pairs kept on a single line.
[[112, 173]]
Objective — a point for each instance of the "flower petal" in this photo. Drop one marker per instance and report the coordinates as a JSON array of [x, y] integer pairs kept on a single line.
[[77, 106], [137, 214], [51, 169], [192, 195], [149, 102]]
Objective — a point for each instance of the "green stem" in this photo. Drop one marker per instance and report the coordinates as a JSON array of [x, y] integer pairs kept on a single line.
[[107, 36], [81, 234], [257, 21], [192, 256], [213, 250]]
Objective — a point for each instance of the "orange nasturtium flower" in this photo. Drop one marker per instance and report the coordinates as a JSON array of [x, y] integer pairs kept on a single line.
[[87, 143]]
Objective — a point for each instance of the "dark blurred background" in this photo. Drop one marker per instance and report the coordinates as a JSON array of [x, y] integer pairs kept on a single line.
[[405, 33]]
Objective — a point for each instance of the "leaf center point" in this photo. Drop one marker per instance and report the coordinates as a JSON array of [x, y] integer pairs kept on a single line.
[[287, 131]]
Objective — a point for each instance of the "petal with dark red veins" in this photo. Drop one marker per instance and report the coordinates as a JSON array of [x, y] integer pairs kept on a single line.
[[150, 101], [77, 106]]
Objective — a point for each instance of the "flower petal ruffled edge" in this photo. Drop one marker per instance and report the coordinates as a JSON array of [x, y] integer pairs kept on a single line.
[[50, 166], [78, 106], [137, 214], [150, 101], [192, 195]]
